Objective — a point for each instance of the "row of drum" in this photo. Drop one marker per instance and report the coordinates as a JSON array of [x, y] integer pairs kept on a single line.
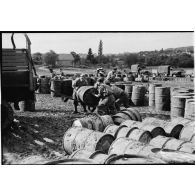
[[79, 142]]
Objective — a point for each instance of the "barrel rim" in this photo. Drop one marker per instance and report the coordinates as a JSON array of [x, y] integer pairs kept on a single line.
[[95, 153], [138, 115]]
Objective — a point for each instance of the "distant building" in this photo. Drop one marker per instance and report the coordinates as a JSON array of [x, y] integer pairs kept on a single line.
[[65, 60]]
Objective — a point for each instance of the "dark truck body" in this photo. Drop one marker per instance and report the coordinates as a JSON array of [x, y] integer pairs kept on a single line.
[[17, 75]]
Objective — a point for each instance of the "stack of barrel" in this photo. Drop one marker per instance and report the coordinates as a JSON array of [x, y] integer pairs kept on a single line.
[[182, 103]]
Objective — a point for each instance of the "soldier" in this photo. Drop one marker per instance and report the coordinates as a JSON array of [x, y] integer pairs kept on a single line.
[[120, 95], [62, 73], [111, 75], [107, 101], [79, 82]]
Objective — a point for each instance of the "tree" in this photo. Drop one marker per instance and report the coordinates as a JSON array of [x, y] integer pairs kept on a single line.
[[100, 51], [50, 58], [90, 56], [76, 57]]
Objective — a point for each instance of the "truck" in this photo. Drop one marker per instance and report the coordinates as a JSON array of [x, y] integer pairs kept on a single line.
[[18, 79]]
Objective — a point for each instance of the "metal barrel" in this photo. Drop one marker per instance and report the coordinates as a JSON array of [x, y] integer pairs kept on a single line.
[[120, 117], [139, 135], [27, 105], [44, 87], [162, 98], [155, 130], [85, 122], [155, 121], [132, 159], [128, 89], [178, 105], [98, 156], [122, 131], [159, 141], [94, 122], [81, 138], [187, 133], [120, 85], [111, 129], [131, 123], [181, 120], [55, 88], [66, 87], [106, 120], [187, 147], [85, 94], [129, 113], [69, 143], [173, 144], [98, 141], [190, 109], [134, 112], [138, 95], [152, 93]]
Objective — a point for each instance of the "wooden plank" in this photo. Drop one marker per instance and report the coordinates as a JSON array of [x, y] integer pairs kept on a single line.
[[14, 68], [15, 64], [23, 56], [21, 60]]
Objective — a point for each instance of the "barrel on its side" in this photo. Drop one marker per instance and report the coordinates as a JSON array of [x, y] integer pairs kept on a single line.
[[187, 133]]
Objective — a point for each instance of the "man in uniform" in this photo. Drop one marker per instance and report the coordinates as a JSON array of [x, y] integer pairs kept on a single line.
[[107, 101], [111, 75], [79, 82], [120, 95]]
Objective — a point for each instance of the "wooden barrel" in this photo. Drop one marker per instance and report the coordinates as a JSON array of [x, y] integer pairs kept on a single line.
[[178, 105], [55, 88], [138, 95], [85, 94], [98, 156], [187, 133], [139, 135], [44, 87], [81, 138], [27, 105], [152, 93], [128, 89], [136, 114], [162, 98], [131, 123], [66, 87], [190, 109], [159, 141], [155, 130], [111, 129]]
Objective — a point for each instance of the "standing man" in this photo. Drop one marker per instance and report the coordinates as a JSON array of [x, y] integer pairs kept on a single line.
[[111, 75], [120, 95], [107, 101], [79, 82]]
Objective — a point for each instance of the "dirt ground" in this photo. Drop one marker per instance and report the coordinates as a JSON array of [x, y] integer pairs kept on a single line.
[[36, 137]]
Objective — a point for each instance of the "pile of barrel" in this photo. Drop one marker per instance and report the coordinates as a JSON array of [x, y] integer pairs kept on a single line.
[[125, 139]]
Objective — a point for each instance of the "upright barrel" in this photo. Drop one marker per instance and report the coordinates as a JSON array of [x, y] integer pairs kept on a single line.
[[44, 87], [178, 105], [27, 105], [162, 98], [128, 89], [190, 109], [138, 95], [152, 93], [66, 87], [55, 88]]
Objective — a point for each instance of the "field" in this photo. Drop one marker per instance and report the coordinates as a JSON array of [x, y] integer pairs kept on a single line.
[[37, 136]]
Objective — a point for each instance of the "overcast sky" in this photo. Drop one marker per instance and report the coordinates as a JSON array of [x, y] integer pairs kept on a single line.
[[112, 42]]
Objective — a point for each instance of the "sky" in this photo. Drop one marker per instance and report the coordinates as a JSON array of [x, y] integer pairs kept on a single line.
[[112, 42]]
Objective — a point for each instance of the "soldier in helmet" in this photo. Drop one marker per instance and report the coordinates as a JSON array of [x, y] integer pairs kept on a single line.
[[79, 82], [120, 95], [107, 101]]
